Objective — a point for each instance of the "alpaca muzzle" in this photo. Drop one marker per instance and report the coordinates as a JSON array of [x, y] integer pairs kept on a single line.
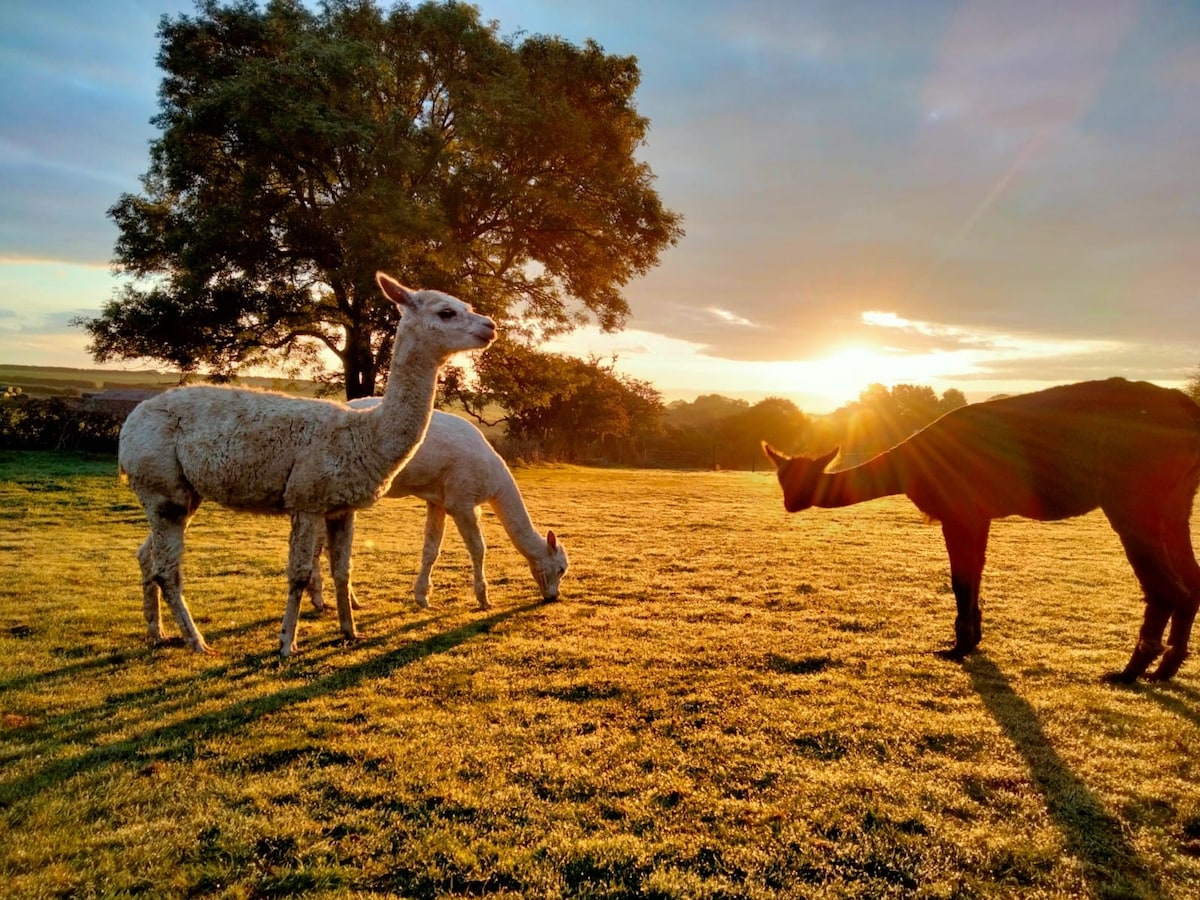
[[485, 331]]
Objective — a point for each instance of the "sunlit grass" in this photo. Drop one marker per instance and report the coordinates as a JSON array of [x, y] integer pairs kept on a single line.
[[727, 702]]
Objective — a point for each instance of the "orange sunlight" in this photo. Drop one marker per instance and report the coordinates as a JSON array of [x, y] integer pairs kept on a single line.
[[839, 377]]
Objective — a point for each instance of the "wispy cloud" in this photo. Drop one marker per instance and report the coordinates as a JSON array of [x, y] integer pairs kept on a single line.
[[732, 318]]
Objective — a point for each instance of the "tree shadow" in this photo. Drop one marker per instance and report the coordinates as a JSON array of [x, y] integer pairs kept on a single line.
[[1093, 836], [176, 740]]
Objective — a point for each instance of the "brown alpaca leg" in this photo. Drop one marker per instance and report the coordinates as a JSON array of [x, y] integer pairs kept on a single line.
[[1149, 644], [1140, 536], [966, 544], [1177, 649], [1178, 542]]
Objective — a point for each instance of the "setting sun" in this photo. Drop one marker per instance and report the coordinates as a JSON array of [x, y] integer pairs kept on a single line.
[[845, 373], [840, 376]]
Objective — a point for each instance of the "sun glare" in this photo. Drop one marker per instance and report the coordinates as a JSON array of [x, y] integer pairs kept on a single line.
[[847, 372], [841, 376]]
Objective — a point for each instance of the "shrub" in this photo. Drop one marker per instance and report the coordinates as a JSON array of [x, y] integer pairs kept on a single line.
[[55, 424]]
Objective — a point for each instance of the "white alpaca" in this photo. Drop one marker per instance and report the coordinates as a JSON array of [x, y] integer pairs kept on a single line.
[[314, 460], [456, 471]]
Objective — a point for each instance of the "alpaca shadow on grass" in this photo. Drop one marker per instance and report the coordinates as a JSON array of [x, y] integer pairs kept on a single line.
[[176, 741], [1093, 836], [88, 658], [1178, 699]]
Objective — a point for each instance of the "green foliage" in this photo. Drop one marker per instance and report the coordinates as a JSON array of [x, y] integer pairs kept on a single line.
[[727, 702], [883, 417], [557, 407], [300, 151], [55, 424]]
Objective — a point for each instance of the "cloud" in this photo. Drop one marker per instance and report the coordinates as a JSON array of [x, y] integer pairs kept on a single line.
[[989, 185], [1006, 187]]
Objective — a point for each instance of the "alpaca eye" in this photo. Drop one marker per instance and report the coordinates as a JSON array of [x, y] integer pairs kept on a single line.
[[447, 314]]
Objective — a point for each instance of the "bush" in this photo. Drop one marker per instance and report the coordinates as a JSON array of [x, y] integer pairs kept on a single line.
[[55, 424]]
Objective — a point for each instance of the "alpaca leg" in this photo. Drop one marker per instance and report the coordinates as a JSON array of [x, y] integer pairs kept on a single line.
[[151, 592], [1140, 536], [472, 535], [1149, 644], [168, 523], [435, 528], [340, 533], [302, 543], [316, 586], [1177, 640], [1178, 542], [966, 543]]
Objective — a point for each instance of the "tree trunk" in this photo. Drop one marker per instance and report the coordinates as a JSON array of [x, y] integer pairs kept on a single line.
[[358, 364]]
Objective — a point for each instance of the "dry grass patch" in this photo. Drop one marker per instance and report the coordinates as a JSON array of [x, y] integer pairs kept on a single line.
[[727, 702]]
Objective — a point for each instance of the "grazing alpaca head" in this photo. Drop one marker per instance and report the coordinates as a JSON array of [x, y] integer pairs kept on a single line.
[[549, 567], [799, 476]]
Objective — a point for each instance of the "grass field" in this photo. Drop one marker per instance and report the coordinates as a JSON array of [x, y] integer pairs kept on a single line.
[[726, 702]]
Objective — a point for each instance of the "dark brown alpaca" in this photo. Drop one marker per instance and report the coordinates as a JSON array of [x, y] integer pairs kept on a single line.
[[1129, 448]]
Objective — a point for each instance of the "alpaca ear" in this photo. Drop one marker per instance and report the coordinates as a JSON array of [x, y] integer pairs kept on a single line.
[[822, 462], [403, 297], [551, 540], [777, 459]]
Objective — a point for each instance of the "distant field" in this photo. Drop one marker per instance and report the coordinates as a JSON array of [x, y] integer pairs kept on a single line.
[[727, 702], [55, 381]]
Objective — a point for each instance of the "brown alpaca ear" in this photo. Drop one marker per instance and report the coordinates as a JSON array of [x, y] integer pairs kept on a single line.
[[822, 462], [551, 539], [403, 297], [777, 459]]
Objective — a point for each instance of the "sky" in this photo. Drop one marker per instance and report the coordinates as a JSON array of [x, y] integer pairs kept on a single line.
[[991, 195]]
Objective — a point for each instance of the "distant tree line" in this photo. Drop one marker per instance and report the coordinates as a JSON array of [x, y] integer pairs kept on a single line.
[[545, 407], [561, 408], [718, 432], [553, 408]]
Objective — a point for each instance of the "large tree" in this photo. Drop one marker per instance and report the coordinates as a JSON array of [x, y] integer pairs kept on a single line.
[[559, 407], [301, 150]]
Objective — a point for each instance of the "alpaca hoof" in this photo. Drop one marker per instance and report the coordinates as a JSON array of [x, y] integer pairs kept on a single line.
[[423, 603], [954, 654], [1168, 666], [319, 605], [1118, 678], [1164, 672], [484, 604], [165, 641]]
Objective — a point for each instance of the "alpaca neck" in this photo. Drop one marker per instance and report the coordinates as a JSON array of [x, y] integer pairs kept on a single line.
[[402, 417], [879, 476], [510, 510]]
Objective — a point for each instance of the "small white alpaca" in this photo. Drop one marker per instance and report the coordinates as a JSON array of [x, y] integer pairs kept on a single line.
[[455, 471], [314, 460]]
